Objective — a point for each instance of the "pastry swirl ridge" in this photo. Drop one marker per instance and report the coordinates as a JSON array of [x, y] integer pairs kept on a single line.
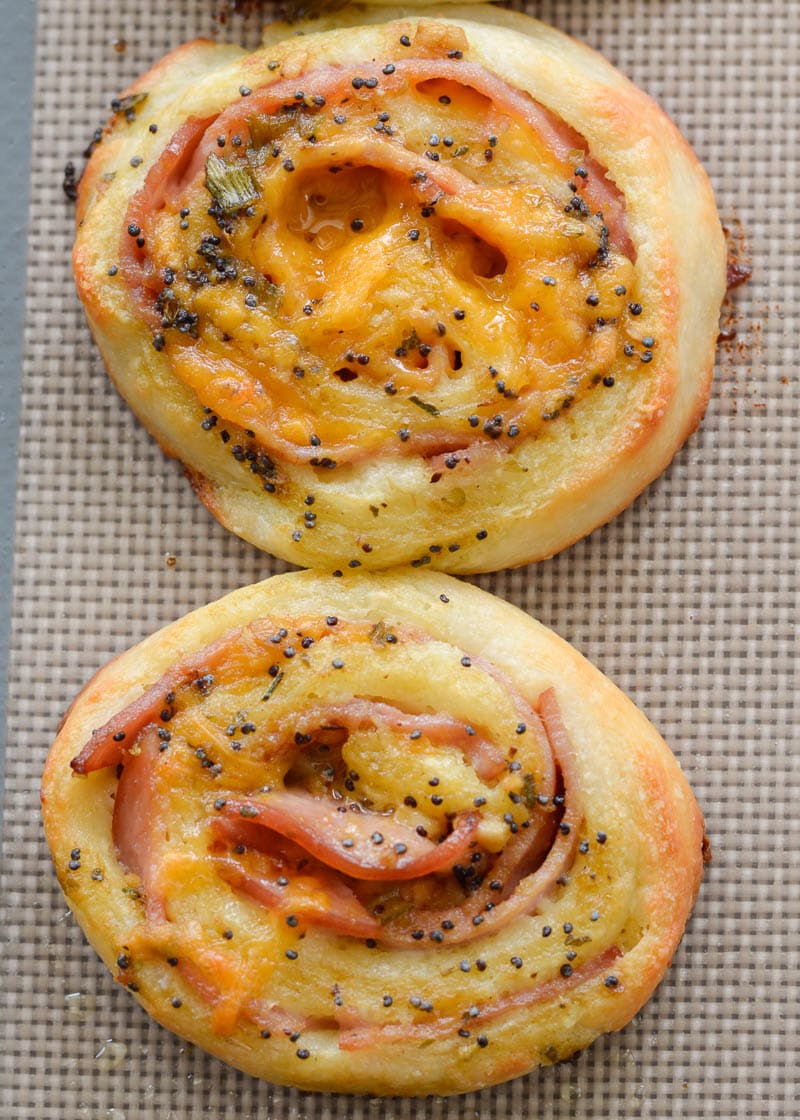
[[381, 834], [440, 279]]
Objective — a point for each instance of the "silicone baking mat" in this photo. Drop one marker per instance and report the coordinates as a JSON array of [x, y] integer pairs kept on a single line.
[[686, 600]]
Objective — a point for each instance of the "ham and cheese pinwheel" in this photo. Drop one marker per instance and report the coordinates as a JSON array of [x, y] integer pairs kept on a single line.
[[434, 291], [381, 834]]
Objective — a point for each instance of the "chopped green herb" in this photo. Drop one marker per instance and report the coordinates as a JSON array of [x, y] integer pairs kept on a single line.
[[426, 406], [455, 498], [269, 294], [393, 908], [266, 128], [529, 791], [571, 229], [126, 106], [411, 342], [277, 680], [231, 185], [378, 633]]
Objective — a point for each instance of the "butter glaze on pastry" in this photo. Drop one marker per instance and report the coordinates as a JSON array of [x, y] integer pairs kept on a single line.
[[382, 834], [359, 282]]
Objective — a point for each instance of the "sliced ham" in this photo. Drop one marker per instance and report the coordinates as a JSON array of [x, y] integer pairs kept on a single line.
[[241, 396], [107, 743], [331, 847], [134, 822], [488, 761], [361, 845], [600, 192], [183, 160], [288, 880], [472, 919], [307, 855], [530, 718], [330, 904], [528, 869], [357, 1034], [161, 185], [365, 1035], [228, 1006]]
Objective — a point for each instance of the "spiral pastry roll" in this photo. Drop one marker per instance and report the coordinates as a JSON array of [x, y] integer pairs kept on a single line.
[[382, 834], [434, 291]]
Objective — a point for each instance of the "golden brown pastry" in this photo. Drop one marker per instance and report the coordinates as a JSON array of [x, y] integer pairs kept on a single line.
[[434, 291], [382, 834]]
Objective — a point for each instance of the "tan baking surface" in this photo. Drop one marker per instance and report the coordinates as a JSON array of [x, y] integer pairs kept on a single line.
[[686, 601]]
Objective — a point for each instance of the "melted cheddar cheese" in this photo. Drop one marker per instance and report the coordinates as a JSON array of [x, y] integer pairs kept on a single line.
[[414, 270]]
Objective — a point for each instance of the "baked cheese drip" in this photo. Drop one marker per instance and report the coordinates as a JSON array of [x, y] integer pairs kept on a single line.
[[291, 819], [399, 259]]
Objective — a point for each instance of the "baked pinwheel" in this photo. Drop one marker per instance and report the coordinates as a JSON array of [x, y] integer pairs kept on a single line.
[[382, 833], [437, 292]]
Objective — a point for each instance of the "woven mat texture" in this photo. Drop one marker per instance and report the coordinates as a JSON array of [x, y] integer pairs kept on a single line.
[[687, 601]]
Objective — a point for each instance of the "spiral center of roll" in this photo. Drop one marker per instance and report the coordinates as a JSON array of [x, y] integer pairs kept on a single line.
[[326, 781]]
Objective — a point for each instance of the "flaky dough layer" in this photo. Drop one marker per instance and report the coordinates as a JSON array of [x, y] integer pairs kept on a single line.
[[463, 444], [516, 860]]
